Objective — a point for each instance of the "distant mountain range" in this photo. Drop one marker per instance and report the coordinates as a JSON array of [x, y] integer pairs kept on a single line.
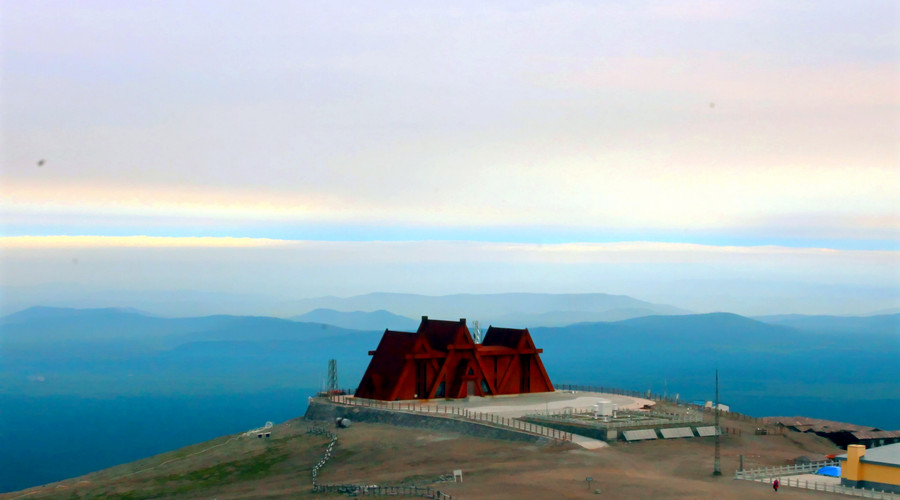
[[70, 331], [885, 324], [57, 351], [484, 307], [67, 345], [381, 319], [507, 309], [359, 320]]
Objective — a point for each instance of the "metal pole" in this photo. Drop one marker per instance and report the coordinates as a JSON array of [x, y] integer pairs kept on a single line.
[[717, 464]]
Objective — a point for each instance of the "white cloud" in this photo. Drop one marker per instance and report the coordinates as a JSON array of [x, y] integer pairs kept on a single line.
[[166, 119]]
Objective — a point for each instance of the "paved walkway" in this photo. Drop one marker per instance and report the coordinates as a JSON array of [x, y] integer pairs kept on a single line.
[[518, 405], [811, 479], [588, 443]]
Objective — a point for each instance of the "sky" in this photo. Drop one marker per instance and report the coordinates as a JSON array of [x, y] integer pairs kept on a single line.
[[737, 156]]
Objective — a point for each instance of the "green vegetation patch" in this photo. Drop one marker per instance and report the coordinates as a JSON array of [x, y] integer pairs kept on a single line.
[[239, 470], [222, 474]]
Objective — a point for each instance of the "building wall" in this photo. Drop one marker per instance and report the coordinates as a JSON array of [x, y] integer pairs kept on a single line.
[[323, 410], [442, 351], [857, 473], [507, 364]]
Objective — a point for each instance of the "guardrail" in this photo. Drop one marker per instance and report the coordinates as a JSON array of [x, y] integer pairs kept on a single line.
[[376, 490], [769, 474], [453, 411], [656, 397], [662, 418], [837, 488], [363, 489], [782, 470], [326, 457]]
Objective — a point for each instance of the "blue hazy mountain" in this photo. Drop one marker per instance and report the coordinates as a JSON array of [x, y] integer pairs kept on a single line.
[[884, 324], [359, 320], [499, 308], [58, 363], [564, 318], [192, 303], [44, 327], [764, 368], [45, 313]]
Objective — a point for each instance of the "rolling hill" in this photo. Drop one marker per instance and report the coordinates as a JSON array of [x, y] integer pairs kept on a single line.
[[359, 320], [883, 324], [501, 308]]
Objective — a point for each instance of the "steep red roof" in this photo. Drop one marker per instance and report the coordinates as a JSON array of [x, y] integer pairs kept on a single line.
[[390, 357], [423, 365], [507, 337], [442, 333]]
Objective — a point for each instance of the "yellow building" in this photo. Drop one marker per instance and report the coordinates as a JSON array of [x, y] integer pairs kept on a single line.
[[877, 468]]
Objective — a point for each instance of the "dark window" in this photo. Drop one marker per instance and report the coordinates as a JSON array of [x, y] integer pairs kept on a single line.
[[422, 379], [525, 382]]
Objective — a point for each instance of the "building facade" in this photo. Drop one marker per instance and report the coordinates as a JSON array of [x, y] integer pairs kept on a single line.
[[441, 360], [878, 468]]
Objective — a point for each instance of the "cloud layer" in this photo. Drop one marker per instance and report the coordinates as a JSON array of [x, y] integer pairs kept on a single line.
[[750, 280], [478, 141]]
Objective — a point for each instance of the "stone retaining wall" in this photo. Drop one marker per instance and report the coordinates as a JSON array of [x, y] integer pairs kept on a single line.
[[323, 409]]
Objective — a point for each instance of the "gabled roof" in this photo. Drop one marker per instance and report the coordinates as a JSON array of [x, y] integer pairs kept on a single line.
[[804, 424], [884, 455], [441, 333], [390, 357], [506, 337], [876, 434]]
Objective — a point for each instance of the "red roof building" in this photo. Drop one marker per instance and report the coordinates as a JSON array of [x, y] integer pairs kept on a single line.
[[441, 360]]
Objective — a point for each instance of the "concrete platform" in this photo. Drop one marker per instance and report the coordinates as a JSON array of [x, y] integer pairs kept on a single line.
[[517, 405]]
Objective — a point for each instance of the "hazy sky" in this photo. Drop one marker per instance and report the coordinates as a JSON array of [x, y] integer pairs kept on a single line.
[[686, 152]]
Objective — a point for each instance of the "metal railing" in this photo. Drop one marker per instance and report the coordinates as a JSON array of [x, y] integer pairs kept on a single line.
[[782, 470], [376, 490], [838, 488], [656, 397], [363, 489], [326, 457], [769, 474], [463, 413], [662, 419]]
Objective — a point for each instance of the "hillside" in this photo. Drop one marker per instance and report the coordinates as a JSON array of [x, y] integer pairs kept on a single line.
[[359, 320], [883, 324], [234, 467], [121, 368], [499, 308]]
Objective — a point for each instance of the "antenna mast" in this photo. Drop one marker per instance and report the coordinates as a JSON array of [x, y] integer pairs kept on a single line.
[[332, 377], [717, 465]]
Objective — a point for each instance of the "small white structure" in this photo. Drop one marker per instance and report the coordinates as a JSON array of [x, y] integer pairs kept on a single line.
[[259, 432], [720, 407], [604, 408], [457, 476]]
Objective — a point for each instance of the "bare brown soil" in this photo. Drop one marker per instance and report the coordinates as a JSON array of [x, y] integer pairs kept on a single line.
[[381, 454]]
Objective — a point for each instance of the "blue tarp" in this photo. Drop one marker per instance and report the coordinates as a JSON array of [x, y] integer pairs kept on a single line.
[[829, 470]]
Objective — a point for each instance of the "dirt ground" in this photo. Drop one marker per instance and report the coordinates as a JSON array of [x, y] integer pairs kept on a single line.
[[280, 467]]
